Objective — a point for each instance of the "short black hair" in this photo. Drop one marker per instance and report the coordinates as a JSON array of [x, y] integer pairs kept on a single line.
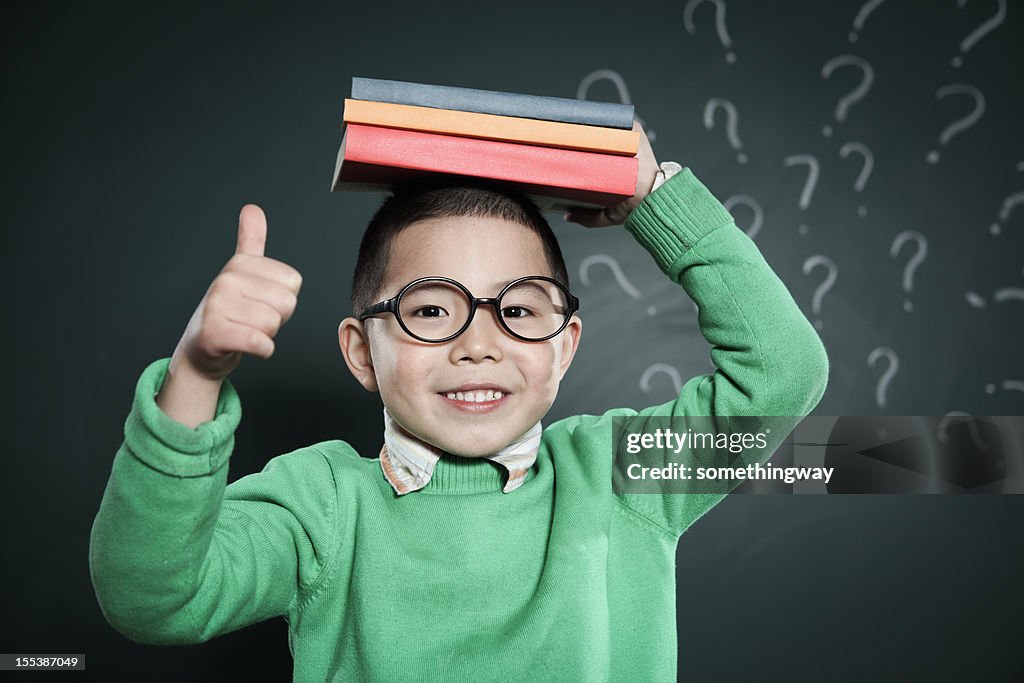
[[443, 196]]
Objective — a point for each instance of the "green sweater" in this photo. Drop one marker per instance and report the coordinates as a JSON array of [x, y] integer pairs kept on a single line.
[[560, 579]]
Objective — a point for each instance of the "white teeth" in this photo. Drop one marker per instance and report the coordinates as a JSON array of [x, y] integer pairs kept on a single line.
[[475, 396]]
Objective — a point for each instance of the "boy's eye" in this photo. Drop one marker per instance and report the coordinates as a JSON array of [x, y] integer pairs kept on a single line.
[[430, 312], [515, 312]]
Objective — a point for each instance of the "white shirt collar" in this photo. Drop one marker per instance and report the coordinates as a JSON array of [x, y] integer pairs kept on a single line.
[[408, 462]]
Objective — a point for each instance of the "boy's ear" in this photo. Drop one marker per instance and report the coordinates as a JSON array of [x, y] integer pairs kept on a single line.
[[355, 347], [570, 342]]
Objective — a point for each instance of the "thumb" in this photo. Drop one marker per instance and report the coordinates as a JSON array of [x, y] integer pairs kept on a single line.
[[252, 231]]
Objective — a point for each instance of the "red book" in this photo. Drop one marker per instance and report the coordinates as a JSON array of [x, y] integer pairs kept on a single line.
[[374, 157]]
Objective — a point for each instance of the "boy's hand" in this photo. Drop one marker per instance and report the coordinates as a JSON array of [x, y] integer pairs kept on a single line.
[[245, 306], [616, 215]]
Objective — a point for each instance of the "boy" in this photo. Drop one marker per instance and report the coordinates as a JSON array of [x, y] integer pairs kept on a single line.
[[477, 545]]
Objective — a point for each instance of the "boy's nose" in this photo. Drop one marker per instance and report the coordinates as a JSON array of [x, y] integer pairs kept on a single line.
[[482, 339]]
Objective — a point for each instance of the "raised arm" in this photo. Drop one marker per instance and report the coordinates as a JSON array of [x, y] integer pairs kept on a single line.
[[176, 556], [769, 361]]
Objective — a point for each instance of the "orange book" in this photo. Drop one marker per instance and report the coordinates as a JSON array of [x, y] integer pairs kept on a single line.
[[494, 127]]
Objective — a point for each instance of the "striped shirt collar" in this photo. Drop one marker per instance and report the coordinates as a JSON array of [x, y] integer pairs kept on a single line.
[[408, 462]]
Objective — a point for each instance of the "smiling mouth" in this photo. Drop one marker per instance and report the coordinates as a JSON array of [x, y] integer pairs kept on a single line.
[[479, 401]]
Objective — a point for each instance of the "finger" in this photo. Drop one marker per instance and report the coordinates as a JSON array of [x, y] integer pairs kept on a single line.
[[252, 231], [271, 269], [232, 337], [593, 218], [271, 292], [256, 314]]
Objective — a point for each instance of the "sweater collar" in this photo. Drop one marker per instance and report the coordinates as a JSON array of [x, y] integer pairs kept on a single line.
[[410, 464]]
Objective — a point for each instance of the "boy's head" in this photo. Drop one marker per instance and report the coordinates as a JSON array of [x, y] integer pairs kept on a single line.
[[482, 235]]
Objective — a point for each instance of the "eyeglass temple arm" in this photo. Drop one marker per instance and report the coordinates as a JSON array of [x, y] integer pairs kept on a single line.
[[382, 307]]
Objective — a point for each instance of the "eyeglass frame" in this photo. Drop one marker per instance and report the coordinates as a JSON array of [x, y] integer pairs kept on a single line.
[[391, 306]]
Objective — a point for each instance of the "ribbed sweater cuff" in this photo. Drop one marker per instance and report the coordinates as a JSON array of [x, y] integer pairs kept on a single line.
[[171, 447], [674, 217]]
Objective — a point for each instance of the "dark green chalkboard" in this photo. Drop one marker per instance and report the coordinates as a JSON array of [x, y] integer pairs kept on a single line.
[[134, 135]]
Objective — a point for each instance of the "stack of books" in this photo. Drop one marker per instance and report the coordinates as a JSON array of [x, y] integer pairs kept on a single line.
[[561, 152]]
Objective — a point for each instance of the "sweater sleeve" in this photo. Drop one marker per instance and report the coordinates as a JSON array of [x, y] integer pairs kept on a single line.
[[768, 359], [177, 557]]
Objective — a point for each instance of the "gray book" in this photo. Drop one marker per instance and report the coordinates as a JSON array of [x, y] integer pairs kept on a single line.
[[565, 109]]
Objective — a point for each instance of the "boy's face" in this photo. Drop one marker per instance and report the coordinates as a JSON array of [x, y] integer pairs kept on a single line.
[[413, 377]]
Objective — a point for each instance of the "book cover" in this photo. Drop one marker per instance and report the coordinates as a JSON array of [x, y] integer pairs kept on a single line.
[[371, 157], [564, 109], [599, 139]]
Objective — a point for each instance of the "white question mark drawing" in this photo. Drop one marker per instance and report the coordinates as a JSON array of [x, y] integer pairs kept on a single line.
[[813, 171], [890, 372], [857, 93], [830, 279], [665, 368], [732, 120], [752, 204], [980, 32], [1004, 215], [862, 16], [1007, 384], [1000, 295], [1009, 294], [723, 35], [865, 170], [962, 124], [913, 263], [972, 427], [620, 86], [620, 277]]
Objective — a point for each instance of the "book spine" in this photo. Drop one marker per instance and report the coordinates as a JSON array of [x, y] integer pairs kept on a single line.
[[563, 109]]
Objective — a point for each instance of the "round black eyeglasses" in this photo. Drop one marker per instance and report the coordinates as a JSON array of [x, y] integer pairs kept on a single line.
[[437, 309]]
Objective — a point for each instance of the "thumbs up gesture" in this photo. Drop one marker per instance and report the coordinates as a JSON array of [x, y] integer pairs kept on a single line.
[[244, 307]]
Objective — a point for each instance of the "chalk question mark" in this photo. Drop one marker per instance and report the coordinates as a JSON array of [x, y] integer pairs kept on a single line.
[[980, 32], [813, 171], [1004, 215], [620, 86], [665, 368], [830, 279], [959, 125], [1007, 384], [913, 263], [732, 119], [723, 36], [862, 16], [620, 277], [857, 94], [865, 169], [1000, 295], [752, 204], [890, 372]]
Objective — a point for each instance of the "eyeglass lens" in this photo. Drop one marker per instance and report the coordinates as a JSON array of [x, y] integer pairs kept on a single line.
[[435, 309]]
